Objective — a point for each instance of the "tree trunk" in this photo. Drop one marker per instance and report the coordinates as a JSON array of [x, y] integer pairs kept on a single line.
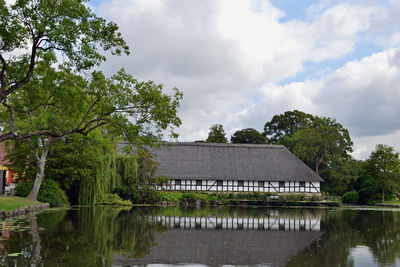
[[383, 195], [35, 256], [317, 164], [40, 164]]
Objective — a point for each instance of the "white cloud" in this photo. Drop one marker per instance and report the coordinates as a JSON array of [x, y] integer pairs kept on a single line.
[[365, 145]]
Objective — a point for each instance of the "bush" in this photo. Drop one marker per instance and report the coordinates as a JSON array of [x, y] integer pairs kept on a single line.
[[350, 197], [174, 197], [50, 192], [114, 199]]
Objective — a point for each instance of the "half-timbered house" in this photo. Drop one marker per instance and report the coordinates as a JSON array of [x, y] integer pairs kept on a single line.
[[234, 168]]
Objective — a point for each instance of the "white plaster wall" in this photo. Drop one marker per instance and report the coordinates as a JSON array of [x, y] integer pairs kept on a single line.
[[249, 186]]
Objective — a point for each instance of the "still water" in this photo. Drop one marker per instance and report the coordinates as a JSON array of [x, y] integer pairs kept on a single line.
[[155, 236]]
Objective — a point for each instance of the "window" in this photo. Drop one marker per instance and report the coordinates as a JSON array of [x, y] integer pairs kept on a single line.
[[302, 184], [240, 183], [199, 182], [260, 183], [178, 182], [219, 183], [281, 184]]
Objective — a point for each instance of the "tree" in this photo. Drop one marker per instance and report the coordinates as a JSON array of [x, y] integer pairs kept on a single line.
[[248, 136], [73, 161], [216, 134], [325, 142], [320, 142], [31, 31], [58, 103], [287, 124], [383, 170]]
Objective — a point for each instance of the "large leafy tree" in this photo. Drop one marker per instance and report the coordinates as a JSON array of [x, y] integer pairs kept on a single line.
[[248, 136], [31, 30], [320, 142], [382, 172], [326, 142], [217, 134], [58, 103], [287, 124]]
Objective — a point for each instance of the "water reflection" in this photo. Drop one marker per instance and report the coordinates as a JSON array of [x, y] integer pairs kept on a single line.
[[105, 236], [238, 223], [216, 240]]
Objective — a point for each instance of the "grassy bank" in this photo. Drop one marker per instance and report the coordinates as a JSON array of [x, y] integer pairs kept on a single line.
[[265, 199], [13, 203]]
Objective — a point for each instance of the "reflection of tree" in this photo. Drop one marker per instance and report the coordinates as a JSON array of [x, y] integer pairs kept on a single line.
[[90, 236], [334, 246], [134, 224], [35, 240], [345, 230], [25, 241], [86, 237], [380, 233]]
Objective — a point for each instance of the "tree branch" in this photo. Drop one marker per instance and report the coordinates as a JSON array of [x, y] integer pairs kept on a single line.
[[3, 95], [3, 70]]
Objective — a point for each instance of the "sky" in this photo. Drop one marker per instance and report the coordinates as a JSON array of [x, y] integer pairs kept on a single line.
[[241, 62]]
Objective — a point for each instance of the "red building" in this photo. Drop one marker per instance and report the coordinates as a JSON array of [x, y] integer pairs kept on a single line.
[[4, 170]]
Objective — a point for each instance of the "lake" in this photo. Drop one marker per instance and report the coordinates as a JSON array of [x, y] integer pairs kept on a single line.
[[210, 236]]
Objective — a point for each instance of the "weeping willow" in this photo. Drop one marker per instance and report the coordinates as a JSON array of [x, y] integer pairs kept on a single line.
[[94, 188], [127, 168], [112, 173]]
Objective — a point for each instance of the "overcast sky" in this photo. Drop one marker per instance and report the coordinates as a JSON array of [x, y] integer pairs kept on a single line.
[[241, 62]]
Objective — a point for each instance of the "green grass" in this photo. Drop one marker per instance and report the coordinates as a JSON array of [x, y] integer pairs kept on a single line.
[[394, 202], [13, 203]]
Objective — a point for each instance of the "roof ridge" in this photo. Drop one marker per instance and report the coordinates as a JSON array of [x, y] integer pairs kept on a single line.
[[223, 144], [184, 143]]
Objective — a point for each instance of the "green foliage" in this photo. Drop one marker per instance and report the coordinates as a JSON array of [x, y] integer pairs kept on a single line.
[[341, 175], [69, 27], [217, 134], [248, 136], [33, 33], [323, 144], [320, 142], [381, 175], [287, 124], [114, 199], [252, 198], [50, 192], [350, 197], [137, 177]]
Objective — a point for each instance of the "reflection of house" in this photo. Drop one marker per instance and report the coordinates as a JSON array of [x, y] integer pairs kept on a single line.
[[234, 167], [6, 174], [215, 241], [238, 223]]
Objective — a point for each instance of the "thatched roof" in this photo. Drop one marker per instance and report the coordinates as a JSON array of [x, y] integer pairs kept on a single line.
[[230, 162], [221, 247]]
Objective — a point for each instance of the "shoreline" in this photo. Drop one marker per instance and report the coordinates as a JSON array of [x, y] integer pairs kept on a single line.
[[23, 211]]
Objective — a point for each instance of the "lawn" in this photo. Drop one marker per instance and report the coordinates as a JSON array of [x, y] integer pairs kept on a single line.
[[394, 202], [12, 203]]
